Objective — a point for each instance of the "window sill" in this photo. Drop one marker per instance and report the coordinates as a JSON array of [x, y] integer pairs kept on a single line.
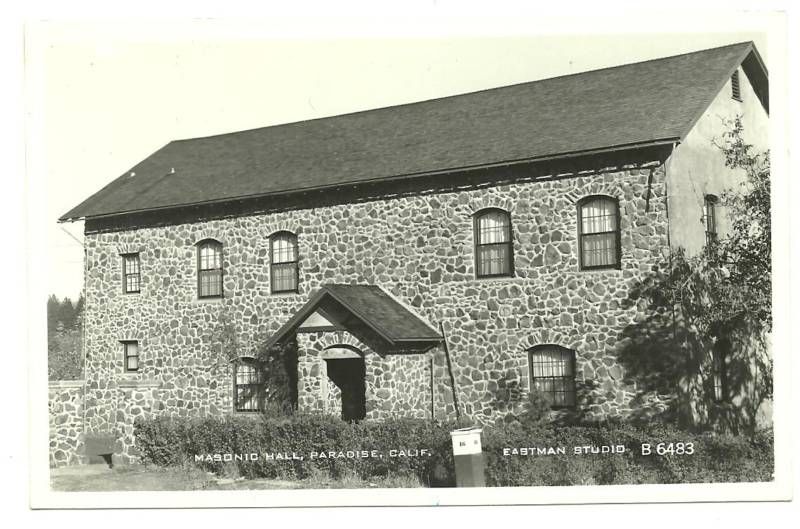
[[253, 414], [495, 276], [284, 294], [136, 383], [207, 301], [600, 269]]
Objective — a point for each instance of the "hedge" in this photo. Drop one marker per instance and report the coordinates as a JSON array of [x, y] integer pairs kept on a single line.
[[715, 458], [168, 441]]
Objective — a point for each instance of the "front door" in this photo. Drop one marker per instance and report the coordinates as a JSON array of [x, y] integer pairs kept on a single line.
[[348, 375]]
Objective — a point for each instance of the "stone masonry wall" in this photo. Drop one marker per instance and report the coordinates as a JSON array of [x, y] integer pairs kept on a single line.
[[65, 402], [420, 248]]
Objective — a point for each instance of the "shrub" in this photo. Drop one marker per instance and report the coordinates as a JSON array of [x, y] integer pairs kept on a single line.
[[717, 458], [172, 441]]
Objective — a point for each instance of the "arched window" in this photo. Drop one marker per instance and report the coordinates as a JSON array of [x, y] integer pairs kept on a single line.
[[283, 262], [598, 231], [494, 250], [553, 374], [209, 269], [719, 370], [710, 218], [249, 387]]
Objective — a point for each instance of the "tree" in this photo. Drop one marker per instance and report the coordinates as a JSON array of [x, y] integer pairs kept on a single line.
[[723, 295], [745, 255], [277, 364]]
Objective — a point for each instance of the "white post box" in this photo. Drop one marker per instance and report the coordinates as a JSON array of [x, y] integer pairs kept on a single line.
[[468, 457]]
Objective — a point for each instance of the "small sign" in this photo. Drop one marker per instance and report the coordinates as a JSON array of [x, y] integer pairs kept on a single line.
[[466, 441]]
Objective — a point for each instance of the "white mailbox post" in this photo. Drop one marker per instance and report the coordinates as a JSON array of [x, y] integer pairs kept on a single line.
[[468, 457]]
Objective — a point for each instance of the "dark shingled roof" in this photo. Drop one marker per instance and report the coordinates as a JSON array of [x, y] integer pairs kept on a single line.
[[373, 307], [636, 104]]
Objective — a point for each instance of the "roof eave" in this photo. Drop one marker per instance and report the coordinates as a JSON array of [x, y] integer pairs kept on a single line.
[[426, 174]]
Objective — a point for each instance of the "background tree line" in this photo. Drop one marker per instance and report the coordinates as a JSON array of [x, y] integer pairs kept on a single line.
[[64, 338]]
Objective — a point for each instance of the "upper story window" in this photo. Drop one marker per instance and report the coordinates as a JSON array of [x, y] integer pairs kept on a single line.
[[553, 374], [710, 218], [130, 273], [283, 262], [249, 386], [494, 250], [209, 269], [130, 351], [736, 88], [598, 233]]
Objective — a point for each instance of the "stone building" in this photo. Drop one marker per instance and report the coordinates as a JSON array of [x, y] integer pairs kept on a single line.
[[483, 245]]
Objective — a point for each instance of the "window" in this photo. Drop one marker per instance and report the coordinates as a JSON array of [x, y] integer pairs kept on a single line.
[[209, 269], [710, 218], [553, 374], [283, 262], [494, 251], [598, 231], [736, 89], [719, 371], [131, 354], [249, 386], [130, 273]]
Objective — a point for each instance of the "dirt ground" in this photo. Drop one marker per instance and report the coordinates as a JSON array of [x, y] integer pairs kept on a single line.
[[98, 477]]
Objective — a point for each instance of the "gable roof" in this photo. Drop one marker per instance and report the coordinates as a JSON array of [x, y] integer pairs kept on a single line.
[[651, 102], [371, 306]]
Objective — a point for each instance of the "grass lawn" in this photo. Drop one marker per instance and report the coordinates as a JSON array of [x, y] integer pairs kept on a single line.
[[99, 477]]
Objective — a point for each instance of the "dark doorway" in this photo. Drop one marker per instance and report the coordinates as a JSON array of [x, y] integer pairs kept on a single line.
[[348, 374]]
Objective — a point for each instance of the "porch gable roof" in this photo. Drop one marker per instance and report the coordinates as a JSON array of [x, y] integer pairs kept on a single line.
[[371, 306]]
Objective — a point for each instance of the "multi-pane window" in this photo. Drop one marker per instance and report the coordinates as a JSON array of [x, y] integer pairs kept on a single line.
[[719, 371], [494, 251], [209, 269], [598, 219], [130, 273], [736, 89], [283, 262], [249, 386], [130, 351], [710, 218], [553, 374]]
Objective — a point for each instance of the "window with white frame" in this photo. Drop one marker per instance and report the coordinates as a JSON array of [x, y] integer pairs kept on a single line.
[[598, 233], [283, 262], [494, 250], [209, 269], [131, 278], [130, 351]]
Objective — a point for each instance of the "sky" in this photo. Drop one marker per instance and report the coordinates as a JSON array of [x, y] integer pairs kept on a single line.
[[101, 96]]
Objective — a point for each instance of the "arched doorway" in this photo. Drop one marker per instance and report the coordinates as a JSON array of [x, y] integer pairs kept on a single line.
[[347, 371]]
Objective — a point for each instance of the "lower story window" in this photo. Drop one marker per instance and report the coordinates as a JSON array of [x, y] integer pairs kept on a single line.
[[553, 374], [249, 386], [131, 352]]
